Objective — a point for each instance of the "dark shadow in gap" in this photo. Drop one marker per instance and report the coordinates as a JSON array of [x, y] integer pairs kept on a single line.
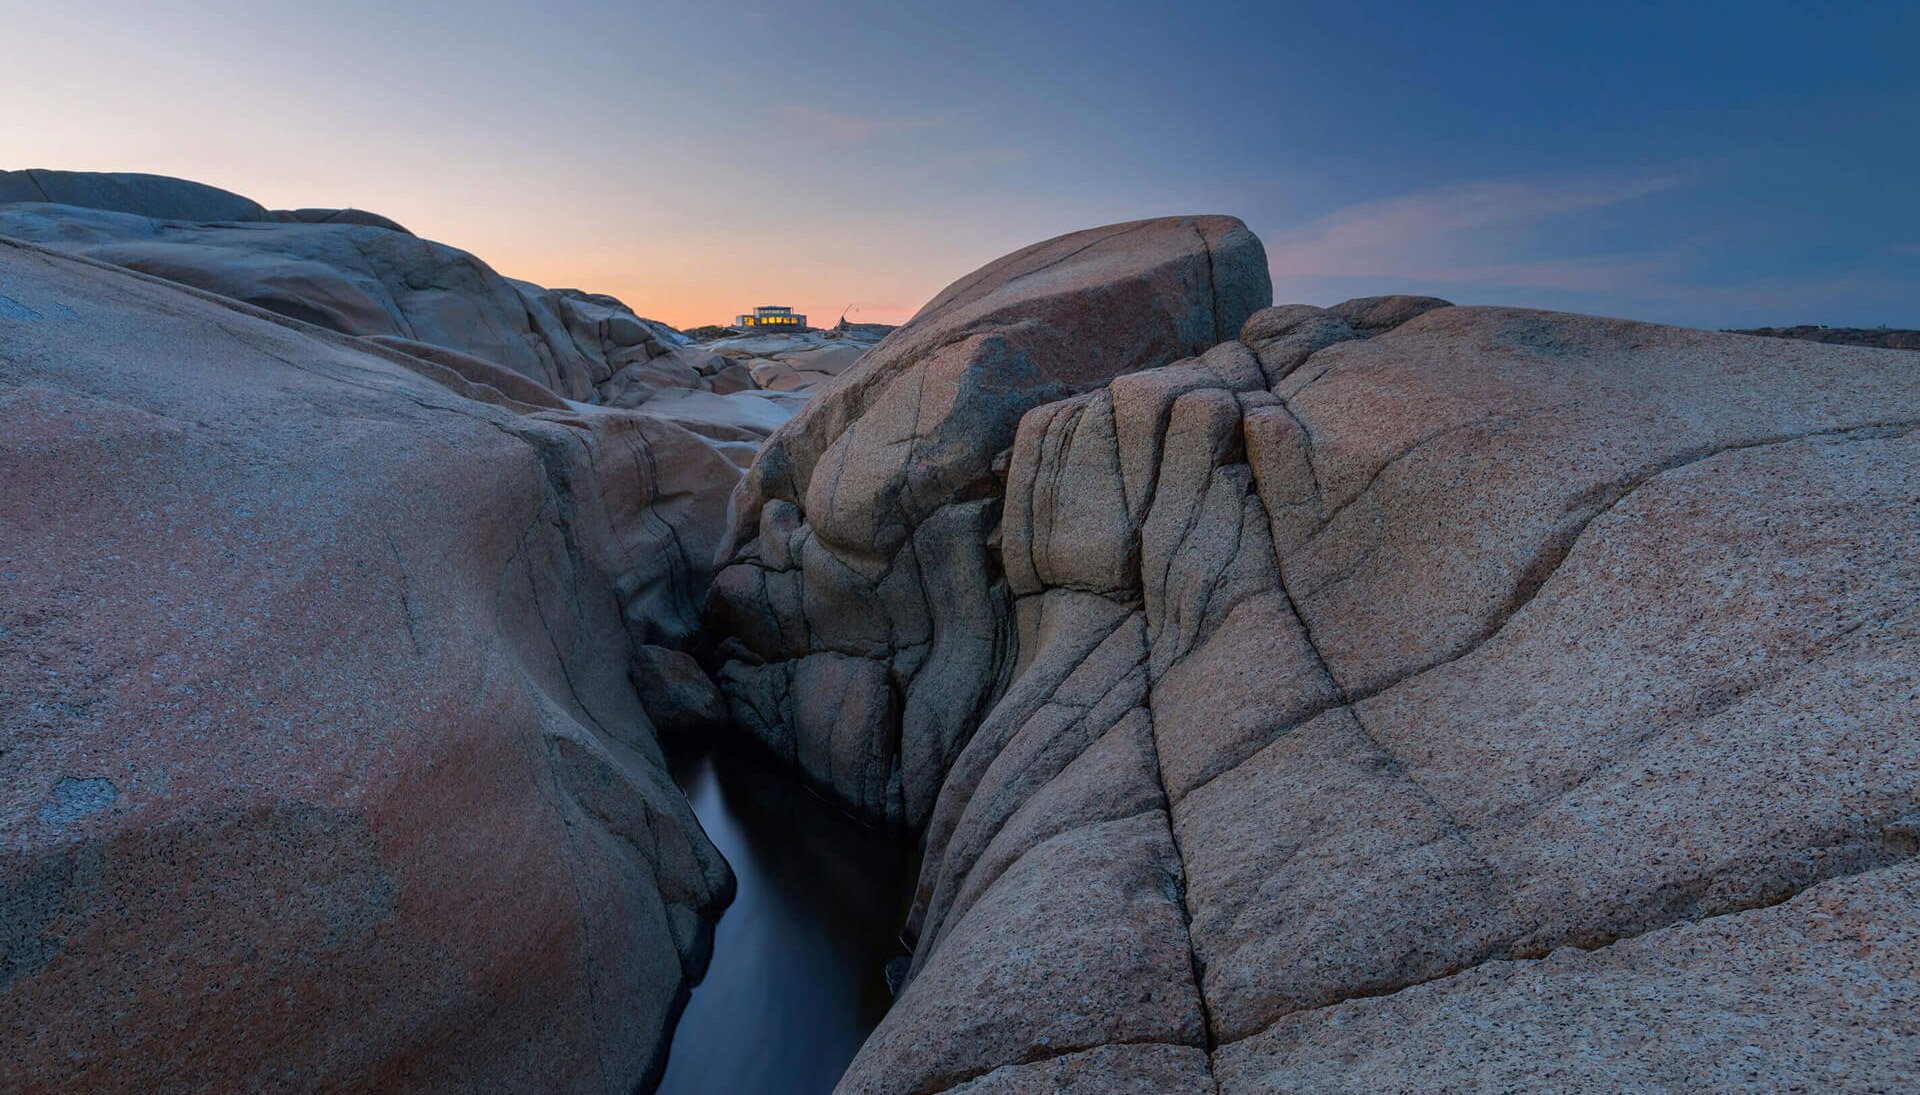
[[797, 980]]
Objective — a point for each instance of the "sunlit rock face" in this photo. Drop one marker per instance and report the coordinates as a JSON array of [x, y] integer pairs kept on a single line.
[[867, 627], [322, 766], [1396, 696]]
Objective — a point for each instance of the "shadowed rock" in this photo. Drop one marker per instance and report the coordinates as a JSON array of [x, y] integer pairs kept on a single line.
[[155, 196]]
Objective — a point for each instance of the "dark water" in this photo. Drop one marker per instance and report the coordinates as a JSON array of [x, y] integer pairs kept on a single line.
[[798, 975]]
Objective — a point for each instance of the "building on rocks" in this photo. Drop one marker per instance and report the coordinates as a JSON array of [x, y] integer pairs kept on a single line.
[[772, 315]]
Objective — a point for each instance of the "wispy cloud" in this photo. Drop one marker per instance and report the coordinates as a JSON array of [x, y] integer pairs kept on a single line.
[[840, 128], [1463, 233], [984, 157]]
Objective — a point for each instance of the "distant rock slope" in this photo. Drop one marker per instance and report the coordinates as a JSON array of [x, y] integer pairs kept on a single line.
[[800, 362], [1883, 337], [321, 768], [866, 626]]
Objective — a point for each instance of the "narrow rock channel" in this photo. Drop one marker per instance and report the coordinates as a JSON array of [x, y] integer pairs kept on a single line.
[[798, 975]]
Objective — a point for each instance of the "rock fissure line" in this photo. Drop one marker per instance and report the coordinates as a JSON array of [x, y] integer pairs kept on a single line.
[[1313, 470], [1548, 564], [1213, 290], [1196, 967], [1417, 445], [677, 576], [1053, 1053], [1074, 253], [406, 600]]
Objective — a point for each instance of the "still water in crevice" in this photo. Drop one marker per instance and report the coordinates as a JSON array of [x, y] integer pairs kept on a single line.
[[798, 974]]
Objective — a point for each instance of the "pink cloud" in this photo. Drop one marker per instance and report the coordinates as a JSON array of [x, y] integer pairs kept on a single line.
[[839, 128], [1457, 233]]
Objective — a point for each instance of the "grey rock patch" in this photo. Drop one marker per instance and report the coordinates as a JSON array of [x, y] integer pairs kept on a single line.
[[74, 797]]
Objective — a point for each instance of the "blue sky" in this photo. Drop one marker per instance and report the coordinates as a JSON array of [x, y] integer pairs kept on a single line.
[[1701, 163]]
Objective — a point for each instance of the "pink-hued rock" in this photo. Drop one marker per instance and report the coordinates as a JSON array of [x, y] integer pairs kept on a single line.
[[321, 767], [888, 482]]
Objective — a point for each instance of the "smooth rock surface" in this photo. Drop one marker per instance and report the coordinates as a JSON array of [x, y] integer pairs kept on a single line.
[[322, 771]]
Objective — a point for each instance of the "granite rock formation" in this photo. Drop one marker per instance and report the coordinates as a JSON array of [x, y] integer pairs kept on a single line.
[[1388, 697], [865, 626], [353, 272], [1417, 698], [322, 766]]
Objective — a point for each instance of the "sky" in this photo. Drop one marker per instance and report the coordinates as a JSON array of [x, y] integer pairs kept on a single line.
[[1708, 164]]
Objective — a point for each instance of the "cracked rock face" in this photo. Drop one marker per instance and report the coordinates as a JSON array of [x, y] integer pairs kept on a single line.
[[1416, 698], [321, 769], [868, 628]]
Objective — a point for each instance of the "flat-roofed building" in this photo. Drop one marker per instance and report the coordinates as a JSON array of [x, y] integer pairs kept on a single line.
[[771, 315]]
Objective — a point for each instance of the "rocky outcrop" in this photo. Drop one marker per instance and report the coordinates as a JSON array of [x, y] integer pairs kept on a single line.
[[867, 627], [346, 270], [322, 770], [1884, 337], [1398, 696], [797, 362]]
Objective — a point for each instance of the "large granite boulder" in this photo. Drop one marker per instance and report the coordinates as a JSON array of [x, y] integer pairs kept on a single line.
[[345, 270], [322, 769], [1426, 699], [866, 627]]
